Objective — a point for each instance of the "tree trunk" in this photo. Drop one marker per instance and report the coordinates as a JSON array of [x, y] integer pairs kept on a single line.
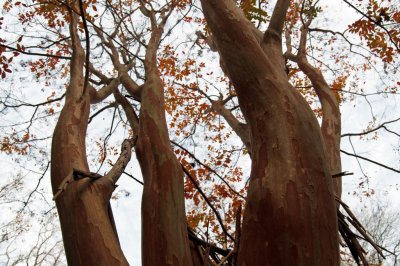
[[331, 124], [86, 220], [290, 216], [164, 230]]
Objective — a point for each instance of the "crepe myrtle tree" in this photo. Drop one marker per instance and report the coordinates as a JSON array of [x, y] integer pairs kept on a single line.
[[286, 212]]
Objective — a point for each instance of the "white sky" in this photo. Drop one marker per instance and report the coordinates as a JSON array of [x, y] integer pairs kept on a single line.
[[355, 118]]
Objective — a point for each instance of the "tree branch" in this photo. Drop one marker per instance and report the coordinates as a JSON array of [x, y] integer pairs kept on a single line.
[[278, 18], [130, 113], [134, 178], [114, 104], [36, 54], [240, 129], [33, 105], [371, 161], [87, 52], [97, 96], [122, 161], [375, 22], [383, 125]]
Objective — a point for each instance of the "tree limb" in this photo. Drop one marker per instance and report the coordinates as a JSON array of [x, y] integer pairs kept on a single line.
[[36, 54], [87, 52], [97, 96], [383, 125], [278, 18], [371, 161], [118, 168]]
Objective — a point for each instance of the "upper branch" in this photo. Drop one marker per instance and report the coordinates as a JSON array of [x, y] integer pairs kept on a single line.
[[150, 62], [87, 54], [331, 124], [33, 53], [78, 58], [125, 79], [97, 96], [123, 159], [278, 18]]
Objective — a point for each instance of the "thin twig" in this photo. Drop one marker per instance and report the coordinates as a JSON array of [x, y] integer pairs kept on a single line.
[[36, 54], [134, 178], [371, 161], [375, 22], [207, 201], [33, 105], [208, 168], [383, 125]]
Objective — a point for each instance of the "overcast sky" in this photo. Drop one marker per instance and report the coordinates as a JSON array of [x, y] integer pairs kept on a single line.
[[355, 118]]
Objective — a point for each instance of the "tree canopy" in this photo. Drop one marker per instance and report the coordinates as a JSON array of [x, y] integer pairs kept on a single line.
[[242, 125]]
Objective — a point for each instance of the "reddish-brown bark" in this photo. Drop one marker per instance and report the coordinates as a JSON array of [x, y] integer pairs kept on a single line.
[[331, 124], [86, 220], [164, 230], [290, 216]]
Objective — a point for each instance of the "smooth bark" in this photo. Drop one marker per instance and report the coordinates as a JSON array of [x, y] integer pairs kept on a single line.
[[290, 216], [331, 121], [164, 230], [86, 219]]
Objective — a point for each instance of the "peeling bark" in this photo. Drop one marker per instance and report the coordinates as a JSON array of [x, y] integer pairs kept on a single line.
[[331, 123], [290, 216], [165, 237], [331, 120], [165, 240], [86, 219]]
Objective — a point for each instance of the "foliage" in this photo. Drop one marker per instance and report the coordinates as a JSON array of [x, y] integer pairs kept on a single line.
[[198, 93]]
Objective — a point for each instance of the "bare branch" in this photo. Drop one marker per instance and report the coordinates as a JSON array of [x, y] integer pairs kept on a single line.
[[134, 178], [371, 161], [130, 113], [118, 168], [278, 18], [111, 105], [97, 96], [37, 185], [383, 125], [87, 52], [33, 105]]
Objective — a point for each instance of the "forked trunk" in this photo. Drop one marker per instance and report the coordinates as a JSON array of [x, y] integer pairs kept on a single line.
[[290, 216], [86, 219], [83, 205], [164, 230]]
